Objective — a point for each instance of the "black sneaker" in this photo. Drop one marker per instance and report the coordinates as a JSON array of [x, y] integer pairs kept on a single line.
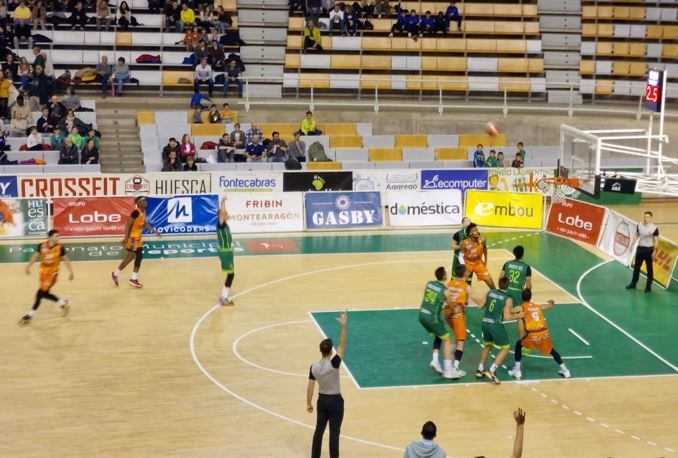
[[25, 319], [631, 286]]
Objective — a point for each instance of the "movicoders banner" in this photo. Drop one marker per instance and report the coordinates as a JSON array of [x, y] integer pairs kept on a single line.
[[617, 237], [331, 210], [663, 262], [265, 212], [23, 217], [576, 220], [424, 208], [505, 209], [86, 216], [183, 214]]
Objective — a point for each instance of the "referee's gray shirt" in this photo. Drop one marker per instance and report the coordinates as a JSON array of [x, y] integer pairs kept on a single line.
[[646, 234], [326, 372]]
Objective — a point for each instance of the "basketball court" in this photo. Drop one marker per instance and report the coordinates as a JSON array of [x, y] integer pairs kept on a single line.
[[163, 371]]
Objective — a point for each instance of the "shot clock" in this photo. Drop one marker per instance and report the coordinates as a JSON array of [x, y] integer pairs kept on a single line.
[[653, 90]]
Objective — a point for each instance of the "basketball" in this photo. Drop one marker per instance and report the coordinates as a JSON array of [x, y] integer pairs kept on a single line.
[[492, 129]]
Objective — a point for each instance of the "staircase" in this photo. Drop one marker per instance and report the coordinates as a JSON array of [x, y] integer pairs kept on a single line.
[[120, 144]]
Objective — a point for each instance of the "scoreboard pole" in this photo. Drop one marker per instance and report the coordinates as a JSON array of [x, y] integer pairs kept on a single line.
[[660, 168]]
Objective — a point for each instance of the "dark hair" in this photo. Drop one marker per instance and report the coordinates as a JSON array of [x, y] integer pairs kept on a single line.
[[503, 282], [518, 251], [460, 270], [172, 139], [226, 105], [326, 347], [526, 294], [429, 430], [500, 152], [521, 143], [121, 59], [471, 226], [480, 144], [52, 232], [309, 112], [275, 133], [492, 151], [648, 213], [440, 273]]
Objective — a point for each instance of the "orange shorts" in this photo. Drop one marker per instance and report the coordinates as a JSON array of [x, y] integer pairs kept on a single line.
[[540, 340], [47, 280], [457, 322], [479, 269], [133, 244]]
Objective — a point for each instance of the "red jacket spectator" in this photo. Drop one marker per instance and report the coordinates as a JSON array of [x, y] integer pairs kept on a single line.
[[187, 148]]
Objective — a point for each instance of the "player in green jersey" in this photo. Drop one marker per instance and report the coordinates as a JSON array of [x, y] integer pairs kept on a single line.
[[457, 238], [519, 274], [431, 318], [498, 308], [225, 252]]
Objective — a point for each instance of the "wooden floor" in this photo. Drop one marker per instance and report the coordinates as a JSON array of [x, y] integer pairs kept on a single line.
[[120, 377]]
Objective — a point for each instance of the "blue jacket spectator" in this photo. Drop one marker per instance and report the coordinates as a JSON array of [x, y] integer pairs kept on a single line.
[[479, 157], [427, 24], [452, 14], [197, 98], [254, 150], [402, 17]]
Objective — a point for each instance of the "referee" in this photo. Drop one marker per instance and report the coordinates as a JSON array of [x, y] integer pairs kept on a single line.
[[330, 403], [647, 235]]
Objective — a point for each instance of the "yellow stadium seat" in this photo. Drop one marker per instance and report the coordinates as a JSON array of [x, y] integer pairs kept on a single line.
[[589, 30], [208, 130], [507, 10], [340, 129], [535, 65], [382, 25], [620, 12], [478, 27], [172, 77], [296, 23], [400, 43], [530, 10], [604, 48], [620, 49], [145, 117], [376, 43], [654, 32], [453, 83], [315, 80], [123, 38], [345, 61], [605, 12], [374, 62], [481, 45], [620, 68], [324, 166], [451, 44], [512, 64], [369, 81], [514, 84], [476, 9], [669, 51], [429, 82], [670, 32], [636, 13], [429, 63], [637, 49], [294, 41], [511, 27], [386, 154], [292, 60], [531, 28], [639, 68], [346, 141], [605, 30], [326, 42], [512, 46], [451, 154], [604, 89], [587, 67], [286, 129], [229, 5], [468, 140], [589, 12], [429, 44], [413, 82], [411, 141], [452, 64]]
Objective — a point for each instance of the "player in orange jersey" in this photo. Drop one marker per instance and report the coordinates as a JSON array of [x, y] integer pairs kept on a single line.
[[535, 334], [474, 249], [455, 314], [51, 253], [133, 243]]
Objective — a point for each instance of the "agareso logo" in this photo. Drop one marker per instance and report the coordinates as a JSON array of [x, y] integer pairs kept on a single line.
[[487, 209]]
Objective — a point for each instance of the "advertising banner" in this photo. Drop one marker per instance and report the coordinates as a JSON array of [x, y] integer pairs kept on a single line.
[[183, 214], [23, 217], [617, 237], [71, 185], [170, 184], [259, 181], [510, 179], [663, 262], [317, 181], [454, 179], [505, 209], [576, 220], [86, 216], [424, 208], [265, 212], [382, 180], [8, 187], [331, 210]]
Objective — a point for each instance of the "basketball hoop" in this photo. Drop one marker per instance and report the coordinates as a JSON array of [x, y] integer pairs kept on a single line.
[[558, 188]]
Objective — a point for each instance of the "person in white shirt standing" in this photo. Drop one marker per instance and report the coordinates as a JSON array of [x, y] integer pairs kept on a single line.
[[203, 75], [647, 235], [336, 19]]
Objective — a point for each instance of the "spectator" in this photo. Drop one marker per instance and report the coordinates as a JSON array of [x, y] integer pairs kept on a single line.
[[70, 100], [214, 116], [312, 38], [25, 73], [39, 15], [191, 37], [43, 125], [90, 153], [103, 14], [492, 159], [172, 163], [68, 154], [78, 140], [187, 17], [190, 165], [382, 8], [196, 117], [4, 94], [427, 24], [200, 53], [233, 77], [20, 115], [57, 110], [125, 18], [78, 17], [198, 98], [425, 447], [121, 74], [225, 19], [187, 148], [22, 24], [172, 16], [238, 138], [297, 6], [104, 72], [413, 26], [70, 121], [517, 163], [337, 19], [225, 149], [402, 20], [92, 136], [521, 151], [452, 14], [277, 149], [203, 75], [11, 68], [39, 57], [56, 140], [308, 126], [254, 150], [350, 22], [364, 9], [216, 54], [479, 157], [297, 148], [500, 159], [34, 140], [440, 23], [172, 146], [326, 6], [254, 130], [3, 143], [226, 114], [48, 68]]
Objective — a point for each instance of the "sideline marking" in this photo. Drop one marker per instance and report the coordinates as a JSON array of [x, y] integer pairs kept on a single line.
[[579, 337]]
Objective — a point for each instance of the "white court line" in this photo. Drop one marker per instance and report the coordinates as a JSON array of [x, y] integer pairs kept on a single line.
[[574, 333], [612, 323]]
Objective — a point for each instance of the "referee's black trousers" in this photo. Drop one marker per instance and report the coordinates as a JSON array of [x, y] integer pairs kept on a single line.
[[643, 254], [330, 409]]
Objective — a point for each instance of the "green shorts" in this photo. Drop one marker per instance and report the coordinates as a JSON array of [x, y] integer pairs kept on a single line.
[[226, 258], [516, 296], [494, 333], [434, 327]]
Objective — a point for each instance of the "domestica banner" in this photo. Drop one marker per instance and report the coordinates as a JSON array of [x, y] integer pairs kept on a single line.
[[424, 208], [23, 217], [576, 220], [505, 209], [331, 210], [86, 216], [183, 214], [265, 212], [617, 237]]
